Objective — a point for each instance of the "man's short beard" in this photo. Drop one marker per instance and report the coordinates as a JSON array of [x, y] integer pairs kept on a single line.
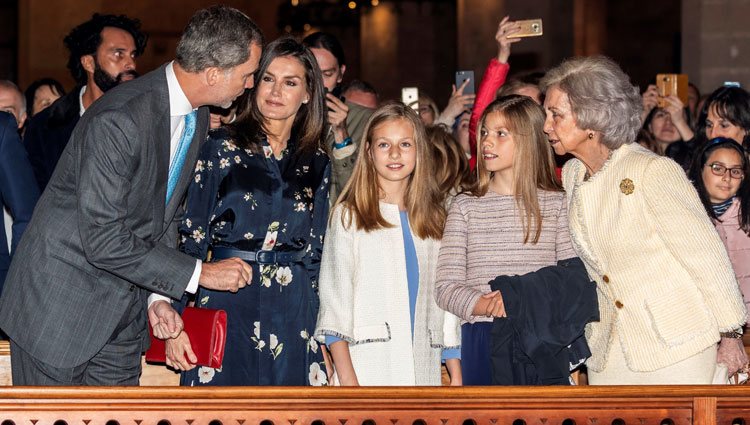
[[104, 81]]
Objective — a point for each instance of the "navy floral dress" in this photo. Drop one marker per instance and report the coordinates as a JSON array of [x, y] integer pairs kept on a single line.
[[253, 201]]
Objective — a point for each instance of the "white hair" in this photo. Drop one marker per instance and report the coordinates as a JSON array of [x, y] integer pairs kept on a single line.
[[601, 97]]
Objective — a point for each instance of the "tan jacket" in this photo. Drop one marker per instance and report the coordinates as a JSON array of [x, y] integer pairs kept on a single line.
[[664, 280]]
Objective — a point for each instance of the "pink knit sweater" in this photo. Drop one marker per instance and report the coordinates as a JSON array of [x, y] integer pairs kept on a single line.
[[483, 239], [738, 247]]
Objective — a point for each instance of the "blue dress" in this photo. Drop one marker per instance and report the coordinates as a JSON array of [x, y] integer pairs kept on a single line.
[[253, 201]]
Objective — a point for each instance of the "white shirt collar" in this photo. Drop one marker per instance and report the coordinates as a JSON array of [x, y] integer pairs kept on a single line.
[[81, 109], [179, 105]]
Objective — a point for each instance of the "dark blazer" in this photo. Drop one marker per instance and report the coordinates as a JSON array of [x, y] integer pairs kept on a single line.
[[543, 334], [48, 132], [18, 191], [102, 234]]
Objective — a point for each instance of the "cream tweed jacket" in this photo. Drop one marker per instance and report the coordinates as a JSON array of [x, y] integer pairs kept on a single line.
[[664, 280], [364, 300]]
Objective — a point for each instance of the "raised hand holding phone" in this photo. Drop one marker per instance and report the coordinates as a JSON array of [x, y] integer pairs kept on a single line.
[[337, 111], [505, 36], [462, 98]]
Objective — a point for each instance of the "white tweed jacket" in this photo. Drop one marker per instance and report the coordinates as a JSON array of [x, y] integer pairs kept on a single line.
[[665, 284], [364, 300]]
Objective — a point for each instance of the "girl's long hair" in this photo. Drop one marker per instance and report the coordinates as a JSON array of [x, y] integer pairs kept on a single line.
[[361, 196], [533, 160], [452, 170], [696, 176], [249, 128]]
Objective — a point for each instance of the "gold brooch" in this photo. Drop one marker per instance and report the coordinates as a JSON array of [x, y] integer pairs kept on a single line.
[[627, 186]]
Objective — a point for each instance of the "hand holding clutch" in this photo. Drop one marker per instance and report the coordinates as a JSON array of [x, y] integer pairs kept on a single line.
[[205, 335], [179, 353], [165, 321]]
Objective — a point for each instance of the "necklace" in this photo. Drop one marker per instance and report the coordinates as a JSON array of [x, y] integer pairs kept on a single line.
[[587, 175]]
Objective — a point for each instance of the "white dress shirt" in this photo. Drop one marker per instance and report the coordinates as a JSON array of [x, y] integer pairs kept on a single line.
[[179, 106]]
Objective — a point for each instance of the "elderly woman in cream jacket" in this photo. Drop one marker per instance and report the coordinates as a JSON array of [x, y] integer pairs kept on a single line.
[[667, 292]]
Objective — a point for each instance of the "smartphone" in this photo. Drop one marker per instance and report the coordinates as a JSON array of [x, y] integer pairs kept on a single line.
[[410, 97], [337, 93], [671, 84], [462, 76], [529, 28]]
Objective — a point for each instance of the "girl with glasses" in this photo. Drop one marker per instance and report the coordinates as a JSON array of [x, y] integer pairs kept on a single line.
[[718, 172]]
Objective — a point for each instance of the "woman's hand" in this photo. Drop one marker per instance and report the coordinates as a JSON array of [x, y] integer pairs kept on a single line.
[[650, 100], [328, 362], [180, 354], [490, 305], [458, 103], [732, 354], [342, 361], [454, 371], [504, 37], [337, 111], [676, 109]]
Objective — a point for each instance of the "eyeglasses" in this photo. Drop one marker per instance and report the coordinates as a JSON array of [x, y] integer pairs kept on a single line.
[[720, 170]]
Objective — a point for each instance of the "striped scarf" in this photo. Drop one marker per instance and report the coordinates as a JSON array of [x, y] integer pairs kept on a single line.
[[721, 208]]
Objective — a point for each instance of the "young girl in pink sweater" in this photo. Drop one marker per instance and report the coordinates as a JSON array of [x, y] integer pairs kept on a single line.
[[719, 173]]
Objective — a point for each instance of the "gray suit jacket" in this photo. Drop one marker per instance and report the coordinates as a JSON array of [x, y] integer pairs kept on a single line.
[[101, 233]]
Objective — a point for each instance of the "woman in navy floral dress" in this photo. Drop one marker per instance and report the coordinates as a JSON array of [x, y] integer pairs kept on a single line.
[[260, 192]]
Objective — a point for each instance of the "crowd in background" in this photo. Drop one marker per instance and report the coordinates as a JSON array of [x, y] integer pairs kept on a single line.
[[552, 219]]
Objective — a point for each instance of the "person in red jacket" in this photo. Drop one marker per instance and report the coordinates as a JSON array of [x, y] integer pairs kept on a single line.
[[494, 78]]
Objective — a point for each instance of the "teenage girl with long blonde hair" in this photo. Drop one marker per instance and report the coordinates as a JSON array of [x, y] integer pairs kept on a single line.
[[378, 314]]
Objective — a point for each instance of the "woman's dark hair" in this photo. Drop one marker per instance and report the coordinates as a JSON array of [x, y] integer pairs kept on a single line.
[[85, 39], [30, 92], [249, 128], [696, 176], [732, 104], [324, 40]]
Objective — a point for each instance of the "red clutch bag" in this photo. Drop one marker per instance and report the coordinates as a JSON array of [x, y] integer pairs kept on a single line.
[[207, 330]]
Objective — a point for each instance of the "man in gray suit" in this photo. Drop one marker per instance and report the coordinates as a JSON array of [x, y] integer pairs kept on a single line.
[[103, 235]]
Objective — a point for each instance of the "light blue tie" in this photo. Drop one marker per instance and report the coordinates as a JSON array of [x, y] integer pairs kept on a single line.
[[179, 157]]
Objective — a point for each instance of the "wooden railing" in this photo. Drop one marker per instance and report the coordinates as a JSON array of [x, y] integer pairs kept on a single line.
[[653, 405], [700, 405]]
